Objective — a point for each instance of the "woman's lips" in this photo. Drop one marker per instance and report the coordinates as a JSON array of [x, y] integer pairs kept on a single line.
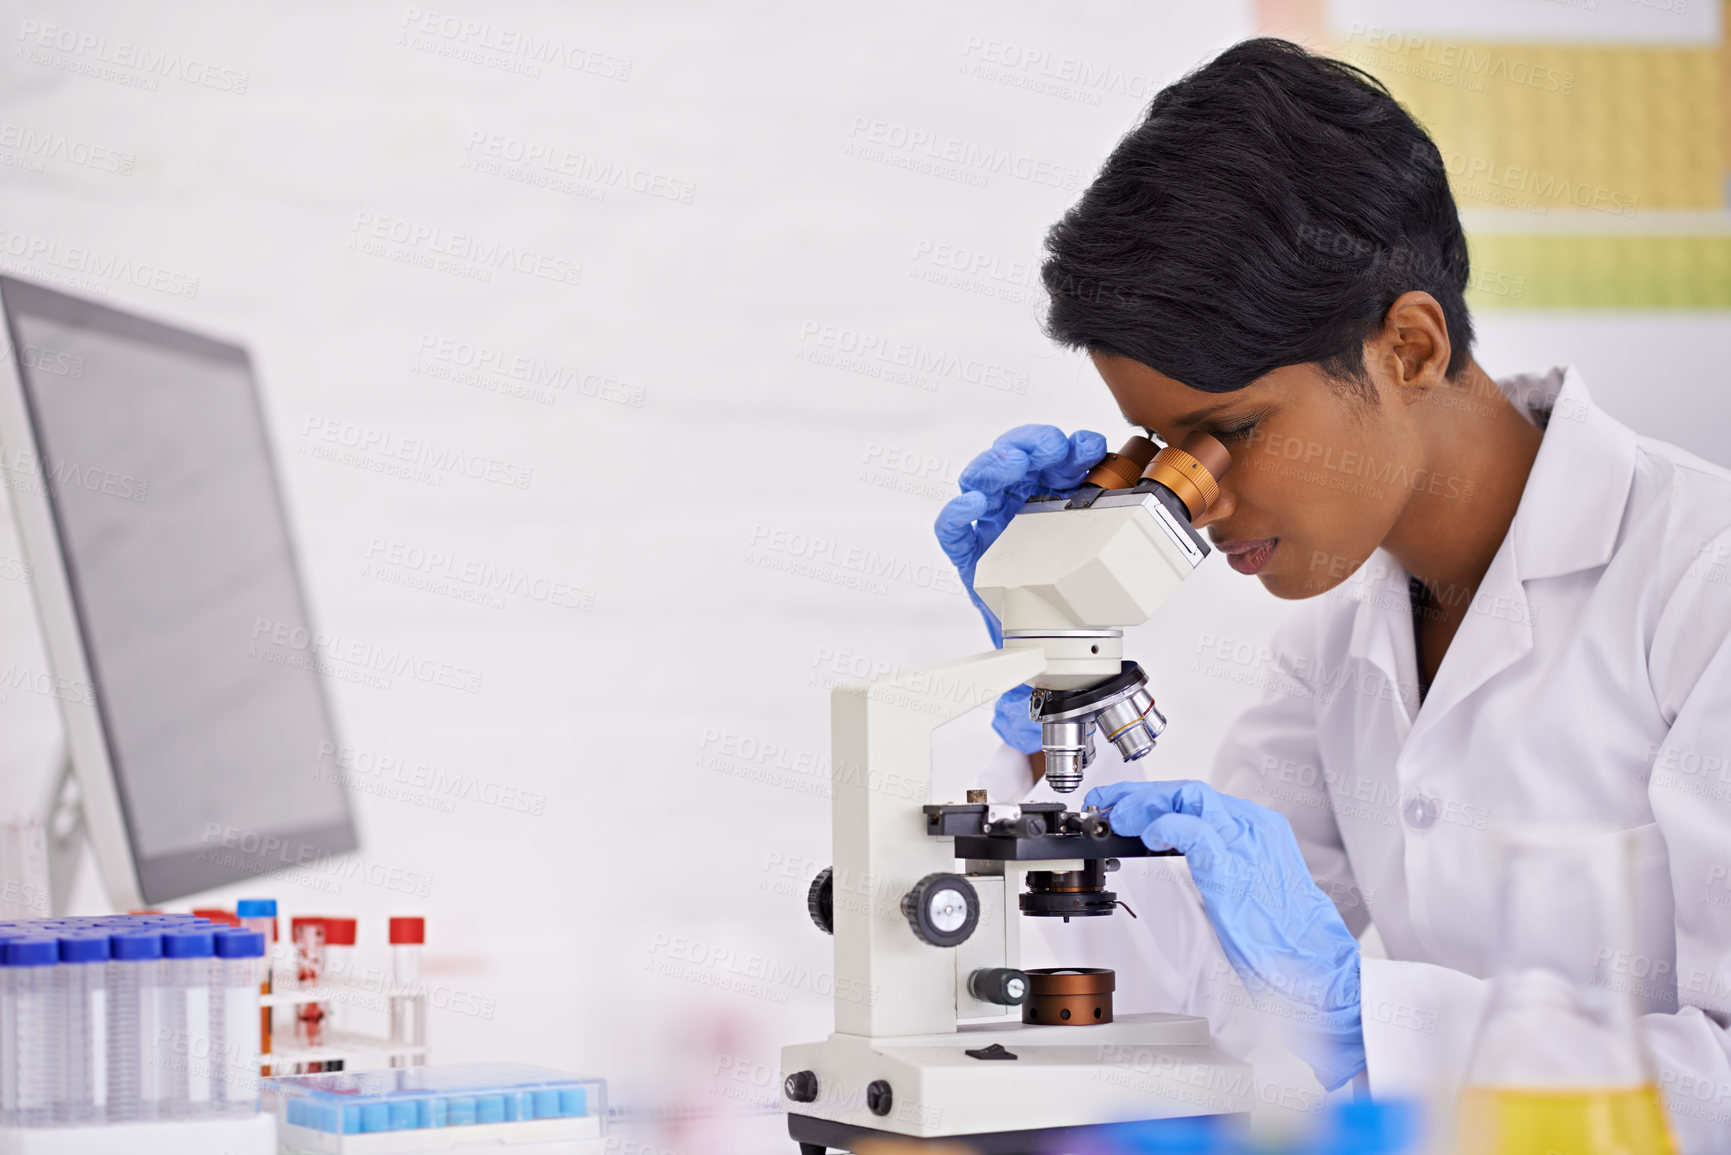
[[1248, 557]]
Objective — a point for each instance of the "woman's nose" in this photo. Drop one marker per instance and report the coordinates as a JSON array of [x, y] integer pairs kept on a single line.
[[1219, 509]]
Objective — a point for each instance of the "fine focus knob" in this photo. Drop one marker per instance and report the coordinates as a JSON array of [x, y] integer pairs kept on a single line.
[[820, 901], [999, 985], [801, 1086], [942, 909]]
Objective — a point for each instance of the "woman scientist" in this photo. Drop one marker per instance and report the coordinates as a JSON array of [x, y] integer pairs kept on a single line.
[[1538, 634]]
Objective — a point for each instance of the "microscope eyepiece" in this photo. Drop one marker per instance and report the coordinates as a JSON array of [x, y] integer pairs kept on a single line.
[[1192, 471], [1121, 470]]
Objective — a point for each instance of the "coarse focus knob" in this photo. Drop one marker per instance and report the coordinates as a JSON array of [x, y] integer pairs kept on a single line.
[[942, 909], [820, 900], [999, 985], [801, 1086], [879, 1098]]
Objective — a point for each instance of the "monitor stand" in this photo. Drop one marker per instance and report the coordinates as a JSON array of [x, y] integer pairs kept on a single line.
[[62, 817]]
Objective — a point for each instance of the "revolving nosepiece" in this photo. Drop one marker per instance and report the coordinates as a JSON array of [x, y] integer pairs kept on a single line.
[[1120, 706]]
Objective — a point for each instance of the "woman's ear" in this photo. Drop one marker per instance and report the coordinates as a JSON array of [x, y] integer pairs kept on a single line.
[[1413, 345]]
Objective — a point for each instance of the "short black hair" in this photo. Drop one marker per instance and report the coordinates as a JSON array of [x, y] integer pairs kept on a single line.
[[1266, 212]]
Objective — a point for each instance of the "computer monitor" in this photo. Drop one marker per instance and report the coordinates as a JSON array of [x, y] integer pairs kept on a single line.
[[148, 508]]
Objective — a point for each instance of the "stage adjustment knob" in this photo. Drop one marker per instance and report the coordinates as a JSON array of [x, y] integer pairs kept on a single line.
[[1096, 825], [801, 1086], [820, 900], [942, 909]]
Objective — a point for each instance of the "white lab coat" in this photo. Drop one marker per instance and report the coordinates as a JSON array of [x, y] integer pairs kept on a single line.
[[1590, 682]]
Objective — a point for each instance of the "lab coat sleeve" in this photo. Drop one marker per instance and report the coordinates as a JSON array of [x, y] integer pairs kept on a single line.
[[1007, 777], [1271, 757], [1690, 790], [1420, 1019]]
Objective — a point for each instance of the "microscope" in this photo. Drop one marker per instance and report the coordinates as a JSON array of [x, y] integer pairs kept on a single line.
[[920, 945]]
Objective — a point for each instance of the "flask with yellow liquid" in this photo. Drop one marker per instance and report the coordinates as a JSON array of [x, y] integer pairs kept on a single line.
[[1559, 1067]]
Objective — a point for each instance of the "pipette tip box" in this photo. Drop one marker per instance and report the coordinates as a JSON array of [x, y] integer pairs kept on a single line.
[[473, 1106]]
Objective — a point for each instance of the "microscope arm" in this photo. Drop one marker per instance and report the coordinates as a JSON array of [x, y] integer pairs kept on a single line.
[[881, 777]]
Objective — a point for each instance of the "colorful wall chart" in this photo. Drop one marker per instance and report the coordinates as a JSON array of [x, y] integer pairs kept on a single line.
[[1588, 142]]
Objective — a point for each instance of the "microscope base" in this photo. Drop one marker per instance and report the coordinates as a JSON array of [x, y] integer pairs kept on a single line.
[[1141, 1067], [819, 1136]]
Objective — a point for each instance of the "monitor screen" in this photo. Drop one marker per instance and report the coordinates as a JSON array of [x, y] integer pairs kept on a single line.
[[176, 549]]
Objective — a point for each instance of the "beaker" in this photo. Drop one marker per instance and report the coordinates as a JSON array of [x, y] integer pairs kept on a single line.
[[1559, 1066]]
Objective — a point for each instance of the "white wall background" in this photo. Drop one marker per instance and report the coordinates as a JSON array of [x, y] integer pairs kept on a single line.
[[677, 729]]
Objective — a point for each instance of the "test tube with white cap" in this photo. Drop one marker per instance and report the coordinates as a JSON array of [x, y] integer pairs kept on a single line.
[[134, 960]]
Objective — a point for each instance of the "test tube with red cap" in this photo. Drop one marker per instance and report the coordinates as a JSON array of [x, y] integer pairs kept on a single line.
[[408, 997], [339, 949], [309, 940], [339, 965]]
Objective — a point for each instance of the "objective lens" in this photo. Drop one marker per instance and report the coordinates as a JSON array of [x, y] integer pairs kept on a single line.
[[1132, 723], [1069, 747]]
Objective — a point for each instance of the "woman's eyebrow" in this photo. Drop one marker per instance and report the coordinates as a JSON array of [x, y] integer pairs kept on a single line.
[[1194, 417], [1203, 413]]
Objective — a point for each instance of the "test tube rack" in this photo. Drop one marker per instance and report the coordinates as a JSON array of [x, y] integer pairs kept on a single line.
[[354, 1049]]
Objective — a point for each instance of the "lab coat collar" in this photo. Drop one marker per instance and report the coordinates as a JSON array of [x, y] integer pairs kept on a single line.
[[1572, 506], [1567, 520], [1382, 633]]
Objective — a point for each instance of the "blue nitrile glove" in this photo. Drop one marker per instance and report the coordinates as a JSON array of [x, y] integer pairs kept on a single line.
[[1280, 932], [1029, 459], [1010, 719]]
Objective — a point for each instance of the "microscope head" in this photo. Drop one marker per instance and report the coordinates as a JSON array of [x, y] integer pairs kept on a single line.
[[1069, 575]]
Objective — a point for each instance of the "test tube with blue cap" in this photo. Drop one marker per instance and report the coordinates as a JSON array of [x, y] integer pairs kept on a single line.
[[134, 961], [259, 914], [8, 1029], [184, 1039], [80, 984], [36, 1031], [235, 1021]]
